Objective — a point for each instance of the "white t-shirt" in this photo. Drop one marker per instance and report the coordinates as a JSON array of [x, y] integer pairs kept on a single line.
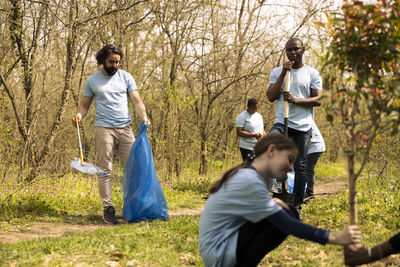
[[252, 123], [301, 82], [317, 143], [244, 197]]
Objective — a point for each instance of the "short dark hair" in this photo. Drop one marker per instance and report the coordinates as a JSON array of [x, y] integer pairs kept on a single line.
[[294, 39], [252, 102], [106, 51]]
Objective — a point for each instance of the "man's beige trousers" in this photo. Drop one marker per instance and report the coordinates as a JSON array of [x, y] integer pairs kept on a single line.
[[109, 140]]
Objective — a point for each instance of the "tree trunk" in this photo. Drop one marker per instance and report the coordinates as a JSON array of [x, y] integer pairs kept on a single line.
[[203, 151], [70, 63], [353, 216]]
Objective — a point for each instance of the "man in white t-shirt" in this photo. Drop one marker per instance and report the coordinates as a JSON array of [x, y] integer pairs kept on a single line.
[[305, 92], [250, 128]]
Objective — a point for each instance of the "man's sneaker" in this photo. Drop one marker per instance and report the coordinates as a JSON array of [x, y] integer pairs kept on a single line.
[[308, 196], [277, 187], [109, 215]]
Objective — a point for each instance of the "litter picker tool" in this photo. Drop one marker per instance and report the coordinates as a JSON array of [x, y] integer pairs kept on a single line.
[[79, 138], [79, 164]]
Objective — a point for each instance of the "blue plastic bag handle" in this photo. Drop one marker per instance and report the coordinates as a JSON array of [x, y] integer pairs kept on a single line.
[[143, 128]]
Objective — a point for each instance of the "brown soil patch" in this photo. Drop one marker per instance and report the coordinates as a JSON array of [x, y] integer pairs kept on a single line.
[[186, 212], [46, 229], [329, 187]]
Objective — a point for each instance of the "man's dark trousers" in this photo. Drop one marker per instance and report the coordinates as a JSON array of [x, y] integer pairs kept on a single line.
[[302, 140]]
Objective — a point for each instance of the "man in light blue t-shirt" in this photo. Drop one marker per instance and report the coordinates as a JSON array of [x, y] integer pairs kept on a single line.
[[111, 87], [305, 92]]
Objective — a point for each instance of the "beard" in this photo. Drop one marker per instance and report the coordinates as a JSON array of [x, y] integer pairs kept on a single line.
[[110, 70]]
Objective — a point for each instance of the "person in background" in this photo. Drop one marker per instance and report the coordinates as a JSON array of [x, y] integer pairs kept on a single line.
[[315, 149], [305, 92], [241, 223], [111, 88], [249, 127], [362, 255]]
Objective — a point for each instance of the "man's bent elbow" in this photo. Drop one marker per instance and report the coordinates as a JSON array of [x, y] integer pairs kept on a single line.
[[270, 97]]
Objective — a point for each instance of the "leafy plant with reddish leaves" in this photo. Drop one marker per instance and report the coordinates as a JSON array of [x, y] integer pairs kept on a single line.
[[363, 76]]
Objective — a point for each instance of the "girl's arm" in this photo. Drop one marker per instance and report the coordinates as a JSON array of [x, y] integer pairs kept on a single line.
[[289, 225]]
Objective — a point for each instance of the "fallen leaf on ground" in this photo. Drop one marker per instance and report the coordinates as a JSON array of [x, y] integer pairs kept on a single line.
[[187, 259], [118, 255], [113, 263], [132, 263], [322, 254]]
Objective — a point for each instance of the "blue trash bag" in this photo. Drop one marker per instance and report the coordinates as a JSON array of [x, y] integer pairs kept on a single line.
[[290, 178], [144, 198]]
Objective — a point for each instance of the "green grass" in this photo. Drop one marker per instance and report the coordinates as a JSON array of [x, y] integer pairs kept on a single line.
[[71, 198], [74, 198], [326, 170], [159, 243], [174, 242]]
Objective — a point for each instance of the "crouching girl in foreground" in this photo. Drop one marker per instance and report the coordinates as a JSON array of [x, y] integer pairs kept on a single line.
[[241, 223]]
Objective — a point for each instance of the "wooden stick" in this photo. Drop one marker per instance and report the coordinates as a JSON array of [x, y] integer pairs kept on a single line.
[[286, 114]]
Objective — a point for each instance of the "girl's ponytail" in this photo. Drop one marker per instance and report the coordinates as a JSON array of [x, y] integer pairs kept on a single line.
[[279, 140], [218, 184]]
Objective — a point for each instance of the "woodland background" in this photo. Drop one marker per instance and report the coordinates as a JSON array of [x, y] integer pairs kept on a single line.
[[196, 63]]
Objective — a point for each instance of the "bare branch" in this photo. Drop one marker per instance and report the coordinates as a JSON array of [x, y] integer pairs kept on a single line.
[[21, 127]]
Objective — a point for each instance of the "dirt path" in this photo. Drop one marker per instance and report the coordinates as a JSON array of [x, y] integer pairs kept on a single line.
[[46, 229], [322, 189], [329, 187]]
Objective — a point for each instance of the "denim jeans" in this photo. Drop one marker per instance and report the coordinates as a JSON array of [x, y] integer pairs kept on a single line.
[[302, 140], [311, 162]]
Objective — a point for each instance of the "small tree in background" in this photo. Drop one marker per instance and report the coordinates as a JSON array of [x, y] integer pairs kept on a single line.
[[362, 63]]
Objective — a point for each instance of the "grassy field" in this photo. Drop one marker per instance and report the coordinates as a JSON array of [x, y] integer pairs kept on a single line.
[[73, 199]]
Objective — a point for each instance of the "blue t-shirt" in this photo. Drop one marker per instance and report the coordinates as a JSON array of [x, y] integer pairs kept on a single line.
[[244, 197], [301, 82], [252, 123], [111, 98]]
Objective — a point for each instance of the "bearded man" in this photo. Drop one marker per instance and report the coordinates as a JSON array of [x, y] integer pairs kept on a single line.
[[111, 87]]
